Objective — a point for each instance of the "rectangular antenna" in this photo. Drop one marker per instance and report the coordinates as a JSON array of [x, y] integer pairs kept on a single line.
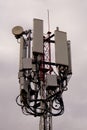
[[61, 49], [22, 53], [69, 57], [38, 36]]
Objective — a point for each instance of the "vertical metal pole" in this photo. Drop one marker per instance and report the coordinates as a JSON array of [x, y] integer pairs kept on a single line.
[[29, 44], [50, 117], [46, 120], [22, 52], [49, 51], [48, 21]]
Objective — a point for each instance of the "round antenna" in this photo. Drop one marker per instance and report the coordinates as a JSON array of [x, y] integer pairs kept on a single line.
[[17, 31]]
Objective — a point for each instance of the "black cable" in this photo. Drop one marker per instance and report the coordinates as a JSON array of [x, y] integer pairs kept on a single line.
[[17, 101]]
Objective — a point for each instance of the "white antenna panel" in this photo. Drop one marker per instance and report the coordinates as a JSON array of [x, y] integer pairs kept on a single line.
[[21, 52], [61, 49], [38, 36]]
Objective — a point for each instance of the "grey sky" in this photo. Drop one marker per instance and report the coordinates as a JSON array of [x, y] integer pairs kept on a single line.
[[70, 16]]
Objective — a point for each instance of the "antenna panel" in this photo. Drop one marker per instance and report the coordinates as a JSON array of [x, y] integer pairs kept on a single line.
[[61, 50], [38, 36], [21, 52], [69, 57]]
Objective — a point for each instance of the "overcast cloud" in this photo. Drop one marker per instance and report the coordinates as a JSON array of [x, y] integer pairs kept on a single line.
[[70, 16]]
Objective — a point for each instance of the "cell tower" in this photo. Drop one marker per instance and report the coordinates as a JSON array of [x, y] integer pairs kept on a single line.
[[42, 82]]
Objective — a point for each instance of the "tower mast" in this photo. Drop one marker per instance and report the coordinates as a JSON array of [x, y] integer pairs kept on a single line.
[[41, 88]]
